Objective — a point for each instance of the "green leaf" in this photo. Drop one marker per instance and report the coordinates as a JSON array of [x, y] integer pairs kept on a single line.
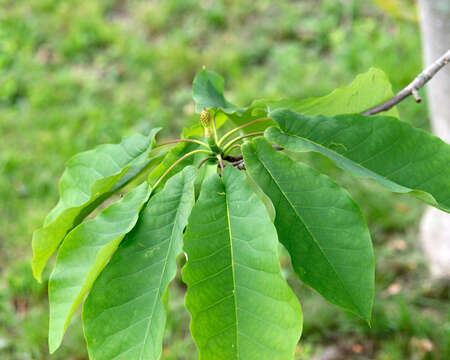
[[202, 174], [207, 91], [262, 196], [83, 255], [88, 179], [257, 110], [400, 157], [124, 315], [241, 306], [367, 90], [320, 225]]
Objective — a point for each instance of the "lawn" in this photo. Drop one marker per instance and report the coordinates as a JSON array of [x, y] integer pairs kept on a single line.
[[74, 74]]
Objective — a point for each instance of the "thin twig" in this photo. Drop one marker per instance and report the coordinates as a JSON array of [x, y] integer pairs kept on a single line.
[[236, 158], [239, 165], [184, 140], [232, 159], [214, 127], [205, 160], [231, 148], [219, 158], [225, 148], [231, 132], [413, 87], [176, 163]]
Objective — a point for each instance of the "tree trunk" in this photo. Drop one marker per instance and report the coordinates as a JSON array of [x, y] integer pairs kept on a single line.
[[435, 226]]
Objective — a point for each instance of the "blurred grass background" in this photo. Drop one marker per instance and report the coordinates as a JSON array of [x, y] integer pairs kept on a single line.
[[75, 74]]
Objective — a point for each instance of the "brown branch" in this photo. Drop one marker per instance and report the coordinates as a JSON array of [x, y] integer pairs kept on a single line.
[[232, 159], [413, 87], [239, 164], [221, 165]]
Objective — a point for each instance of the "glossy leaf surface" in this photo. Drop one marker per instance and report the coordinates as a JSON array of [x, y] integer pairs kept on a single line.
[[124, 315], [83, 255], [366, 90], [207, 91], [400, 157], [241, 306], [88, 176], [320, 225]]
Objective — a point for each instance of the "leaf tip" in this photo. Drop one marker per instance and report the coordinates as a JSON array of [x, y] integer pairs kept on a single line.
[[53, 344], [36, 269], [368, 319], [365, 315], [37, 277]]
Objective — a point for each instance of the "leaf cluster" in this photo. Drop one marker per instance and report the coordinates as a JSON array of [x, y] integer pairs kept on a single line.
[[226, 202]]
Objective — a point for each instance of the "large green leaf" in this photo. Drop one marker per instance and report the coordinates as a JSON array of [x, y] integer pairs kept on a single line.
[[241, 306], [202, 174], [262, 196], [83, 255], [207, 91], [124, 315], [366, 90], [400, 157], [88, 177], [320, 225]]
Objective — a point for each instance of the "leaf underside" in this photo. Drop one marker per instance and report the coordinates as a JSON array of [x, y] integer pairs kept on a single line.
[[88, 176], [83, 255], [124, 315], [320, 225], [400, 157], [241, 306]]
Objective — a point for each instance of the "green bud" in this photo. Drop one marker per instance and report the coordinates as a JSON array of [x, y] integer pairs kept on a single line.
[[205, 118]]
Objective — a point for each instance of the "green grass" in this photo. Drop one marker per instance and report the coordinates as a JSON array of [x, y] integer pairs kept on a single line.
[[80, 73]]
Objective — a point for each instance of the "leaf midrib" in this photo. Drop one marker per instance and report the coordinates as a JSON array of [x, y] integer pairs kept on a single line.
[[232, 271], [372, 173], [162, 273], [311, 234]]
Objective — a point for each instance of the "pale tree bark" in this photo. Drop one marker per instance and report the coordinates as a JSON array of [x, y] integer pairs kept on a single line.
[[435, 226]]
